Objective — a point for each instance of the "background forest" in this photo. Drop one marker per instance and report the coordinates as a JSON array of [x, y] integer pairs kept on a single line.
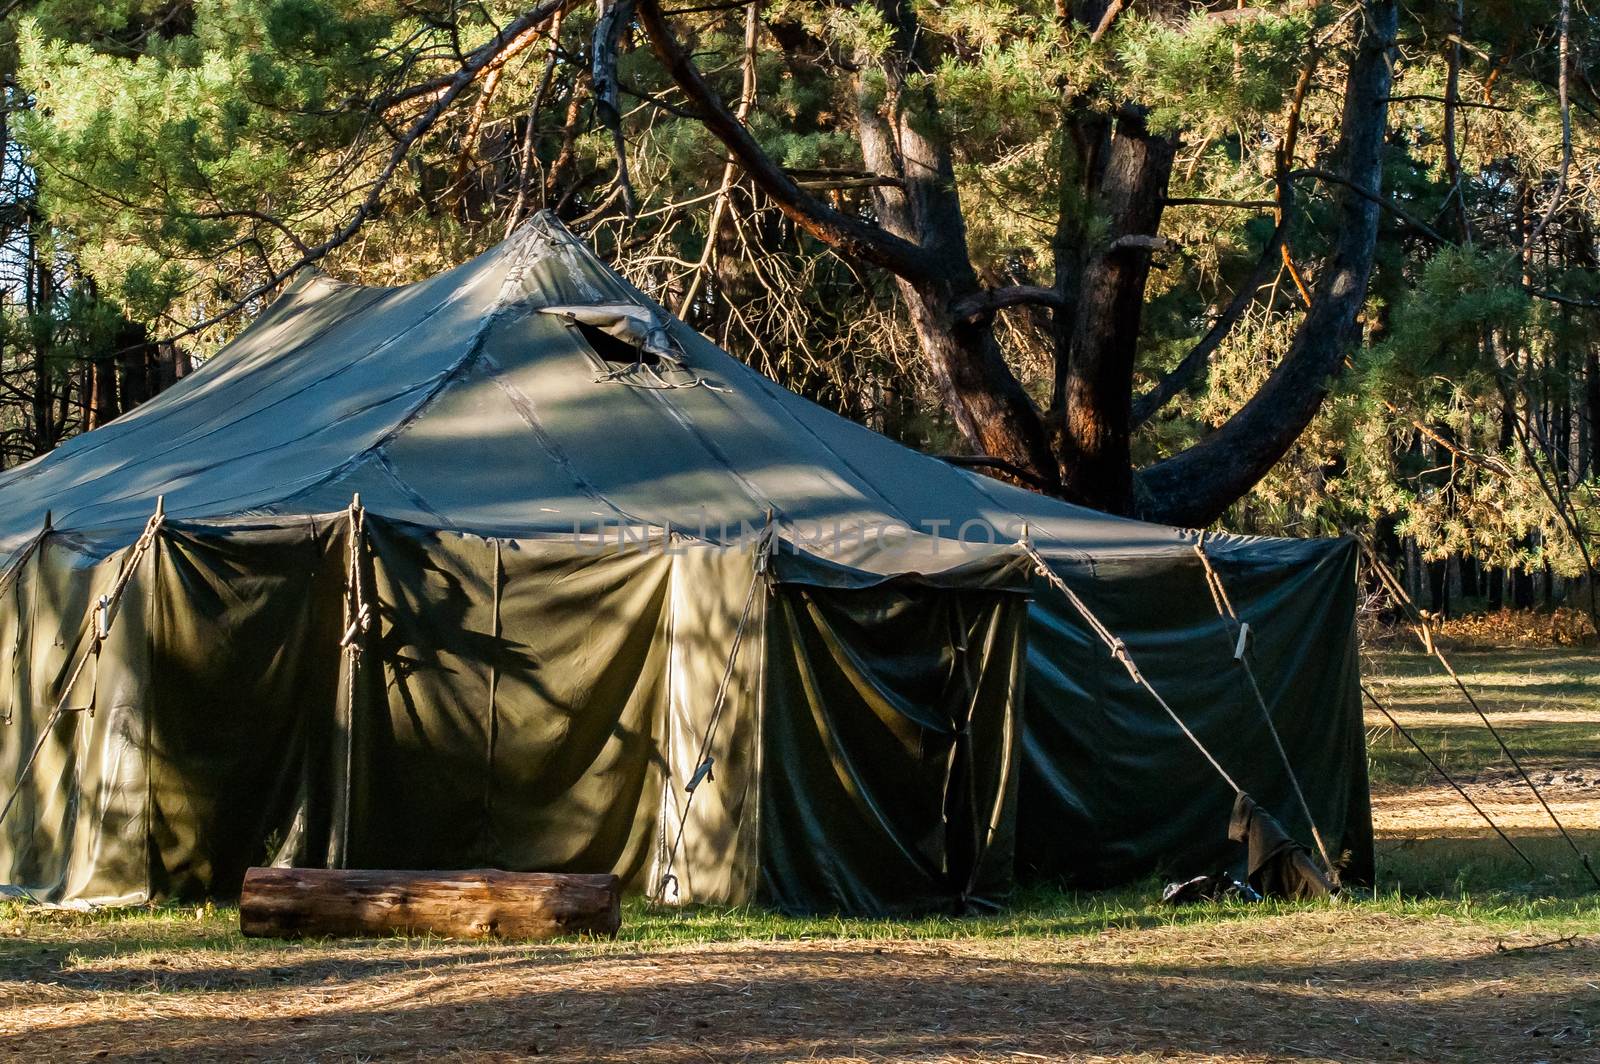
[[1293, 267]]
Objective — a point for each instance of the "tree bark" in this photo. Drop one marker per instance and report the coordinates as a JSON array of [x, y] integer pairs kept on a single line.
[[102, 393], [137, 377], [1195, 486], [1591, 390], [483, 903], [1102, 338], [902, 136]]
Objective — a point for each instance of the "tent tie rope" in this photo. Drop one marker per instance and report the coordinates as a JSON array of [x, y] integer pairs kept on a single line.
[[1400, 597], [97, 629], [704, 759], [1381, 708], [1238, 634], [358, 620], [1119, 651], [358, 614]]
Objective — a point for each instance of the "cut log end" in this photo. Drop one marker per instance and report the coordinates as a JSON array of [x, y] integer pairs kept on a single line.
[[479, 903]]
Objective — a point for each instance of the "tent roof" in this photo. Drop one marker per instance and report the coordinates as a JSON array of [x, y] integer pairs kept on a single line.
[[454, 403]]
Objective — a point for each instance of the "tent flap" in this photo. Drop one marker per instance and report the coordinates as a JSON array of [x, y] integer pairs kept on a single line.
[[890, 748]]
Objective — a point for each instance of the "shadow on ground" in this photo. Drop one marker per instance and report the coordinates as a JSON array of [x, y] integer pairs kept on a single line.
[[1445, 999]]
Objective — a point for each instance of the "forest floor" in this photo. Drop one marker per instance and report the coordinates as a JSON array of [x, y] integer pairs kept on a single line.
[[1461, 954]]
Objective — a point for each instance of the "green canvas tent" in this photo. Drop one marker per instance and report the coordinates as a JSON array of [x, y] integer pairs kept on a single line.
[[511, 568]]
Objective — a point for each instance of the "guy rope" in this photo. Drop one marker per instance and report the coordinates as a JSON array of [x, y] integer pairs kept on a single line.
[[1239, 636], [1119, 651], [97, 629], [1381, 708], [358, 621], [1398, 594]]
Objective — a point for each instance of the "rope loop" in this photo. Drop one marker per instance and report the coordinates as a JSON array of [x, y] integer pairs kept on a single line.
[[1119, 650]]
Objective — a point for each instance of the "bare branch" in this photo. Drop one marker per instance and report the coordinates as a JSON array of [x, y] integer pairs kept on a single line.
[[1145, 406], [530, 135], [1140, 242], [615, 17], [463, 78], [1429, 97], [843, 233], [747, 100], [1208, 201], [1367, 194], [1112, 11], [843, 183], [493, 54]]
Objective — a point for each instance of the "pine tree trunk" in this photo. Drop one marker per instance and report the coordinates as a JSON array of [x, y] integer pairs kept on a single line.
[[1124, 172], [1592, 402], [901, 136]]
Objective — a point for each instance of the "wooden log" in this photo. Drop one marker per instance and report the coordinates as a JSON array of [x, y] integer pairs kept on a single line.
[[480, 903]]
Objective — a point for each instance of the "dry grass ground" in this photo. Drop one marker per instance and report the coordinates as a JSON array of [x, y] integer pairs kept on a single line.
[[1460, 956]]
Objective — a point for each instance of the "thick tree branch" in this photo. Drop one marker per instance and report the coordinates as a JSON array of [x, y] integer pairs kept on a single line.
[[984, 304], [1197, 485], [849, 236], [1199, 355]]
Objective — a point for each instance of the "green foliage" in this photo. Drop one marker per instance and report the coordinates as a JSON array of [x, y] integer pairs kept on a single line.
[[1459, 297], [1212, 75]]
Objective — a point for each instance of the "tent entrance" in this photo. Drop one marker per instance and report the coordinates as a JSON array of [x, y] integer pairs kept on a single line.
[[889, 740]]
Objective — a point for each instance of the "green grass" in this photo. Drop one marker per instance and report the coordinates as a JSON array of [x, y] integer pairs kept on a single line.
[[1517, 688], [1036, 914]]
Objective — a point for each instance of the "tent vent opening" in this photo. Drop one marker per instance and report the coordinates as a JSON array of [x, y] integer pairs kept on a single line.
[[613, 352]]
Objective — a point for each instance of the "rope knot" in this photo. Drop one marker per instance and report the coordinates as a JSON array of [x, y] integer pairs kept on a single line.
[[1119, 651]]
